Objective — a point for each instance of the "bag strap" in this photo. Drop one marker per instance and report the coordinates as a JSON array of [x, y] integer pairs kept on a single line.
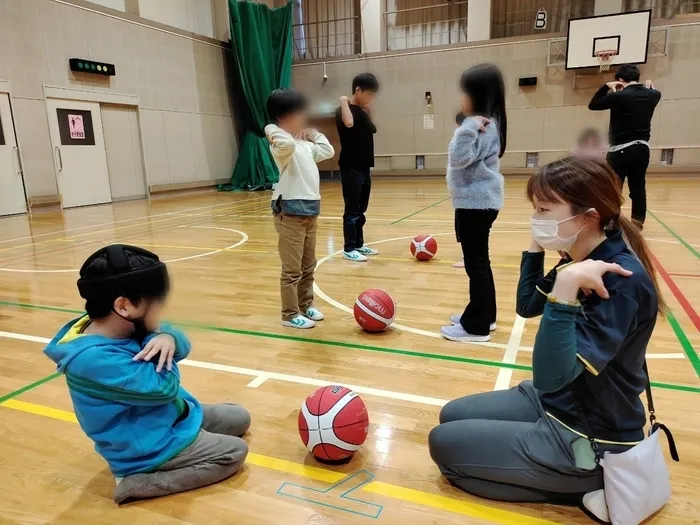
[[584, 419], [652, 420], [650, 398]]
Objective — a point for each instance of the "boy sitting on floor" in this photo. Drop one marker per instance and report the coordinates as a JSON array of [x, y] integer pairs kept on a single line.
[[121, 368]]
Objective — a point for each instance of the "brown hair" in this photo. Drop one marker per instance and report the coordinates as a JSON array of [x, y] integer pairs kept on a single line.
[[586, 183]]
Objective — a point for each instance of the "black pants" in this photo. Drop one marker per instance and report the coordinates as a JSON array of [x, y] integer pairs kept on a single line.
[[473, 228], [356, 188], [631, 163]]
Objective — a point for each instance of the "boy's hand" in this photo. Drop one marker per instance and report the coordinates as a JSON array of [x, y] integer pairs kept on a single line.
[[615, 85], [163, 344], [306, 134], [648, 84], [344, 100]]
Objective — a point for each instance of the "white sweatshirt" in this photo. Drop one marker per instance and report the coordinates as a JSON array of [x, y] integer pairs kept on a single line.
[[296, 161]]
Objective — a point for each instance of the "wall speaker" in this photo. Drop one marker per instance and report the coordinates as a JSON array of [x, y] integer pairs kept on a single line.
[[527, 81]]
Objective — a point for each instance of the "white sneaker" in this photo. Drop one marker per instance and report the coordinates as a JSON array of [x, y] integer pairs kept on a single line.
[[456, 319], [366, 250], [354, 256], [459, 334], [594, 502], [299, 322], [314, 314]]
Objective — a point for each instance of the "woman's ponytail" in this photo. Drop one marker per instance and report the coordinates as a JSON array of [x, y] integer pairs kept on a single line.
[[634, 239]]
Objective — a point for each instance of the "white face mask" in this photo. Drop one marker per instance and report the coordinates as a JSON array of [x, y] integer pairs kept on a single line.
[[545, 232]]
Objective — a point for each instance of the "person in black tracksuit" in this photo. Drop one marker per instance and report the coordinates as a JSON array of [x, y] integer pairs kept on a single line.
[[631, 106], [356, 131]]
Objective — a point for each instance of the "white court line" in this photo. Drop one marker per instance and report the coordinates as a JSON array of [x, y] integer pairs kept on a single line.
[[257, 199], [244, 239], [342, 307], [260, 376], [676, 214], [670, 241], [378, 219], [516, 334]]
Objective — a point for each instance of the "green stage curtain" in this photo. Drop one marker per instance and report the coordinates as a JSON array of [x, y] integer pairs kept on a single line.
[[261, 39]]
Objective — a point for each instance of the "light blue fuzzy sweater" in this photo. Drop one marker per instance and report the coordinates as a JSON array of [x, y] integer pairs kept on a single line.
[[473, 171]]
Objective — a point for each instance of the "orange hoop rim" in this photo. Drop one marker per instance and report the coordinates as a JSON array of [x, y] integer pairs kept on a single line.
[[605, 57]]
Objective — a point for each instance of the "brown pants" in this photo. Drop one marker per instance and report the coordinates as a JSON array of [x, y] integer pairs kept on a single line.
[[297, 249]]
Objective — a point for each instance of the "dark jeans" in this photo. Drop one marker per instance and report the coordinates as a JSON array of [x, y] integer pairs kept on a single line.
[[472, 229], [631, 163], [356, 187]]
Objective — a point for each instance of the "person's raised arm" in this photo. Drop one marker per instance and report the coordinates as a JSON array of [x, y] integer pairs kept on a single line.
[[568, 343], [604, 98], [126, 380], [282, 144], [345, 112], [321, 148], [463, 147]]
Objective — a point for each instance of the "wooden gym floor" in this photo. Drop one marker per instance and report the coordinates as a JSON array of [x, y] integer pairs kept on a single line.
[[222, 249]]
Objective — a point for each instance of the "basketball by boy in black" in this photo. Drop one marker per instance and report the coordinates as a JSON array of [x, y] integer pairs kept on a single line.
[[631, 106], [356, 131]]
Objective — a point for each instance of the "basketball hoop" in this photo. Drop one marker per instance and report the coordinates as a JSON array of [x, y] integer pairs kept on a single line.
[[605, 58]]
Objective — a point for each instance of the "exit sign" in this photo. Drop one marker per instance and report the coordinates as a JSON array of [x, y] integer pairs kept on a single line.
[[80, 65]]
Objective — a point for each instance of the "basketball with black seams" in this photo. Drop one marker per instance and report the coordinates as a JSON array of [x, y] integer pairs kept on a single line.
[[423, 247], [333, 423], [374, 310]]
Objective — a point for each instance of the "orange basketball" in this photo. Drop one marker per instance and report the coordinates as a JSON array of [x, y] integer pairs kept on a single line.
[[423, 247], [374, 310]]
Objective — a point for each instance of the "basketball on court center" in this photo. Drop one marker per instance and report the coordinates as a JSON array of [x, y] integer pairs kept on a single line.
[[374, 310], [423, 247], [333, 423]]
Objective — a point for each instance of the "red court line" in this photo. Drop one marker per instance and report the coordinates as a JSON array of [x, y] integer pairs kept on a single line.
[[684, 274], [682, 300]]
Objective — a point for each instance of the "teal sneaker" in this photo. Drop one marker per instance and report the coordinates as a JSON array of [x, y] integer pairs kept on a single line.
[[314, 314], [366, 250], [354, 256], [300, 322]]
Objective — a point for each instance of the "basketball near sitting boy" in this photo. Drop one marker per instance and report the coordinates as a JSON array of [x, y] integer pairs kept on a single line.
[[296, 202], [121, 367]]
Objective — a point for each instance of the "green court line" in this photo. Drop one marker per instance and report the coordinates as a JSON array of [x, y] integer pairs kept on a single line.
[[684, 341], [678, 237], [419, 211], [28, 387], [342, 344]]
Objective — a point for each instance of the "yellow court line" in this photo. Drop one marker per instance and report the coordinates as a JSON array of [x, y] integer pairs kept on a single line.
[[443, 503]]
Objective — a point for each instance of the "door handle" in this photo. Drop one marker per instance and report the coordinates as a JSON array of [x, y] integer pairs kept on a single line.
[[18, 171], [60, 159]]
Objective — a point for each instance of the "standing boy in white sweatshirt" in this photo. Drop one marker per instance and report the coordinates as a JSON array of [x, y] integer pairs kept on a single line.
[[296, 202]]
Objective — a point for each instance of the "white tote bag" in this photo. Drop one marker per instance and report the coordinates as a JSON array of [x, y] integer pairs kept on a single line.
[[636, 482]]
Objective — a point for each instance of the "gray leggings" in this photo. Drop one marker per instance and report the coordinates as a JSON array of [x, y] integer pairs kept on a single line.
[[216, 454], [502, 446]]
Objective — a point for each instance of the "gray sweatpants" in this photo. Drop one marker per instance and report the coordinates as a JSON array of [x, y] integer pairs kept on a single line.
[[501, 445], [216, 454]]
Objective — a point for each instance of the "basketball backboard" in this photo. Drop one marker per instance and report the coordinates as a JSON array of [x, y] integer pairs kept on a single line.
[[626, 33]]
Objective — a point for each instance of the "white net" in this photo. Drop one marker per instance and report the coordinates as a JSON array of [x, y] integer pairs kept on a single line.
[[605, 58]]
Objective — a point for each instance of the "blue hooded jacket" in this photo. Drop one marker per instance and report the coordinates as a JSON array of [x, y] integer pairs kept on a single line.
[[138, 418]]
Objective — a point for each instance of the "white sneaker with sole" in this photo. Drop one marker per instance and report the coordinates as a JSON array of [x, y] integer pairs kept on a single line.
[[354, 256], [594, 503], [459, 334], [366, 250], [299, 322], [455, 319], [314, 314]]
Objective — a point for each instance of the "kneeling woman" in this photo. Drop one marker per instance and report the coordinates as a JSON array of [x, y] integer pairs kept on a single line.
[[527, 444]]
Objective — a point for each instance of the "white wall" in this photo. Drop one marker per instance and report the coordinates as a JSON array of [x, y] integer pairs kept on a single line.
[[190, 15], [119, 5], [180, 82]]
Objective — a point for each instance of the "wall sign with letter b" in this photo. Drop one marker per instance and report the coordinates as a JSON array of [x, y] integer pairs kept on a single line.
[[541, 19]]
